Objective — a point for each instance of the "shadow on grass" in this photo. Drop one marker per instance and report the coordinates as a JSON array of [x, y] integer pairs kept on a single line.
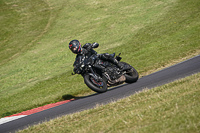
[[69, 97]]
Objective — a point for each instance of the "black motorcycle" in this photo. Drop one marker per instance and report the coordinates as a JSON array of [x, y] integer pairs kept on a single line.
[[100, 74]]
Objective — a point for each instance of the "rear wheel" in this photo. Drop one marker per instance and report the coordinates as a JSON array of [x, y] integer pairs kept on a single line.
[[97, 86], [131, 74]]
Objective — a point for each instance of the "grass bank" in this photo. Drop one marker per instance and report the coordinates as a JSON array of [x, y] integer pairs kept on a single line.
[[36, 64], [173, 107]]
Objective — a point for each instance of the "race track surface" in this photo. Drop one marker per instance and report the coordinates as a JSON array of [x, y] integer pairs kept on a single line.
[[164, 76]]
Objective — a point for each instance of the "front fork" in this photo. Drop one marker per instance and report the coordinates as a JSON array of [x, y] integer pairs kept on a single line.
[[93, 74]]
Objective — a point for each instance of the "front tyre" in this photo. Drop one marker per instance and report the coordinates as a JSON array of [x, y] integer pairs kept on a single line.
[[131, 74], [97, 86]]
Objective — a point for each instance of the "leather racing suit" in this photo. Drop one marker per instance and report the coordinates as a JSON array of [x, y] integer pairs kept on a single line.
[[87, 50]]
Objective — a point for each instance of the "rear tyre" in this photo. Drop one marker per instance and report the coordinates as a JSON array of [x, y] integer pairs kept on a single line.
[[131, 74], [97, 86]]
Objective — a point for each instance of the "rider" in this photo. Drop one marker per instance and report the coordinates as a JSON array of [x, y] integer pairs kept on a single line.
[[87, 50]]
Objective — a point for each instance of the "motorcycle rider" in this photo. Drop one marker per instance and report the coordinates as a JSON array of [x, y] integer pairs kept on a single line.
[[87, 50]]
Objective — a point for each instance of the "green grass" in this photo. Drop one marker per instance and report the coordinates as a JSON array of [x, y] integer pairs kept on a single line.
[[170, 108], [36, 64], [22, 24]]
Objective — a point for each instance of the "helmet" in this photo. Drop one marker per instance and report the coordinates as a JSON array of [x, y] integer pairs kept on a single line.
[[75, 46]]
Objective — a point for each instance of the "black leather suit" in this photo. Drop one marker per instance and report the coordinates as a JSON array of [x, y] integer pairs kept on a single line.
[[87, 50]]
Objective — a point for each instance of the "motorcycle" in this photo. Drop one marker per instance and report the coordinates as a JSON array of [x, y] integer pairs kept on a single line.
[[100, 74]]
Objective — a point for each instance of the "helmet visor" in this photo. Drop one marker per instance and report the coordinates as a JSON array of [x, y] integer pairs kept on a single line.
[[74, 49]]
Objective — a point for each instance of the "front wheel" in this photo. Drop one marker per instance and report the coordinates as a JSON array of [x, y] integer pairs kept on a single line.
[[131, 74], [97, 86]]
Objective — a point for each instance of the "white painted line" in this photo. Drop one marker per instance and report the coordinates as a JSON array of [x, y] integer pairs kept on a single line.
[[7, 119]]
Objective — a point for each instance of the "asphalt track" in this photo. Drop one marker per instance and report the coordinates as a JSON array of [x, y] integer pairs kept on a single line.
[[164, 76]]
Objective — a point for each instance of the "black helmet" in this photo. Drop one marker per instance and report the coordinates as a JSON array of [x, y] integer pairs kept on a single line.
[[75, 46]]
